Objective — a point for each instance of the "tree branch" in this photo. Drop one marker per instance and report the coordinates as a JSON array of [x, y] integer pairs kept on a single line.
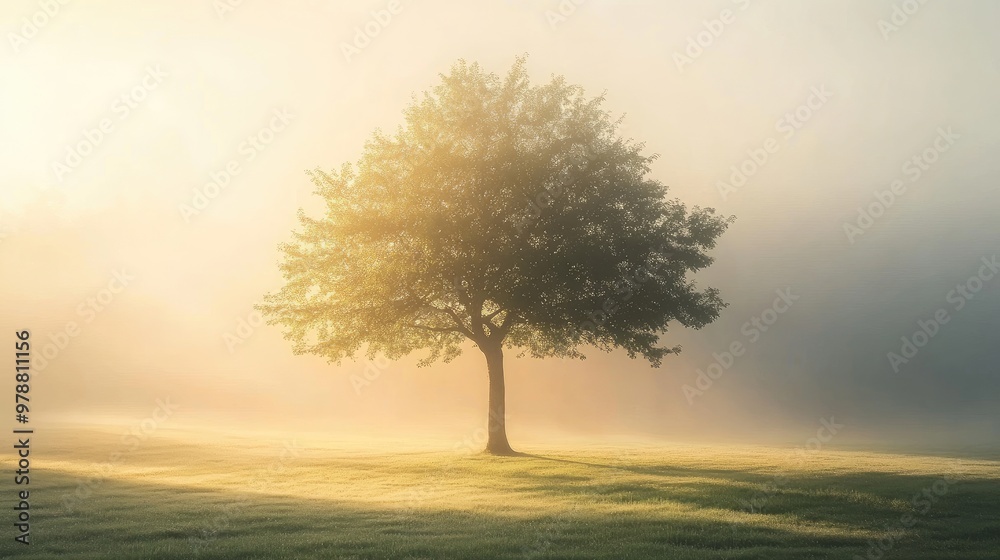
[[508, 322], [494, 314], [458, 322], [435, 329]]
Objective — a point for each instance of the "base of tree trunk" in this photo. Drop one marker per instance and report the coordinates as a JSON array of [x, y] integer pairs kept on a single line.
[[500, 450]]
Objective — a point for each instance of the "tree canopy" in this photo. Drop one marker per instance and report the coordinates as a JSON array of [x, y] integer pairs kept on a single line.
[[501, 212]]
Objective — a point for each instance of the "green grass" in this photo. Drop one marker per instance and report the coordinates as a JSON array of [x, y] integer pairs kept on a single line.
[[183, 495]]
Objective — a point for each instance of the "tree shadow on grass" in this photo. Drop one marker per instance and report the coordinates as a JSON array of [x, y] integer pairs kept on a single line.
[[135, 519], [648, 517], [953, 516]]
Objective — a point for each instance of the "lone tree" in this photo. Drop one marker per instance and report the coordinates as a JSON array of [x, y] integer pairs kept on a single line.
[[507, 214]]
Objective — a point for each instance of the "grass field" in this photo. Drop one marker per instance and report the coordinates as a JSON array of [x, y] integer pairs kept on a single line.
[[182, 495]]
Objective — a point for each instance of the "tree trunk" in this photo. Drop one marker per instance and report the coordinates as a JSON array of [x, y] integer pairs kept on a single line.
[[497, 443]]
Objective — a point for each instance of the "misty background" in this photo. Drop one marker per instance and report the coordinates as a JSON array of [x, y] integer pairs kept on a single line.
[[889, 83]]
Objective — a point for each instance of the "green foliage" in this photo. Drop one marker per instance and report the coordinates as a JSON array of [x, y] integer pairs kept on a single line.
[[506, 213]]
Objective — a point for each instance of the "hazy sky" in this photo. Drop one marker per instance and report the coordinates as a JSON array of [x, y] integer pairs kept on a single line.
[[114, 114]]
